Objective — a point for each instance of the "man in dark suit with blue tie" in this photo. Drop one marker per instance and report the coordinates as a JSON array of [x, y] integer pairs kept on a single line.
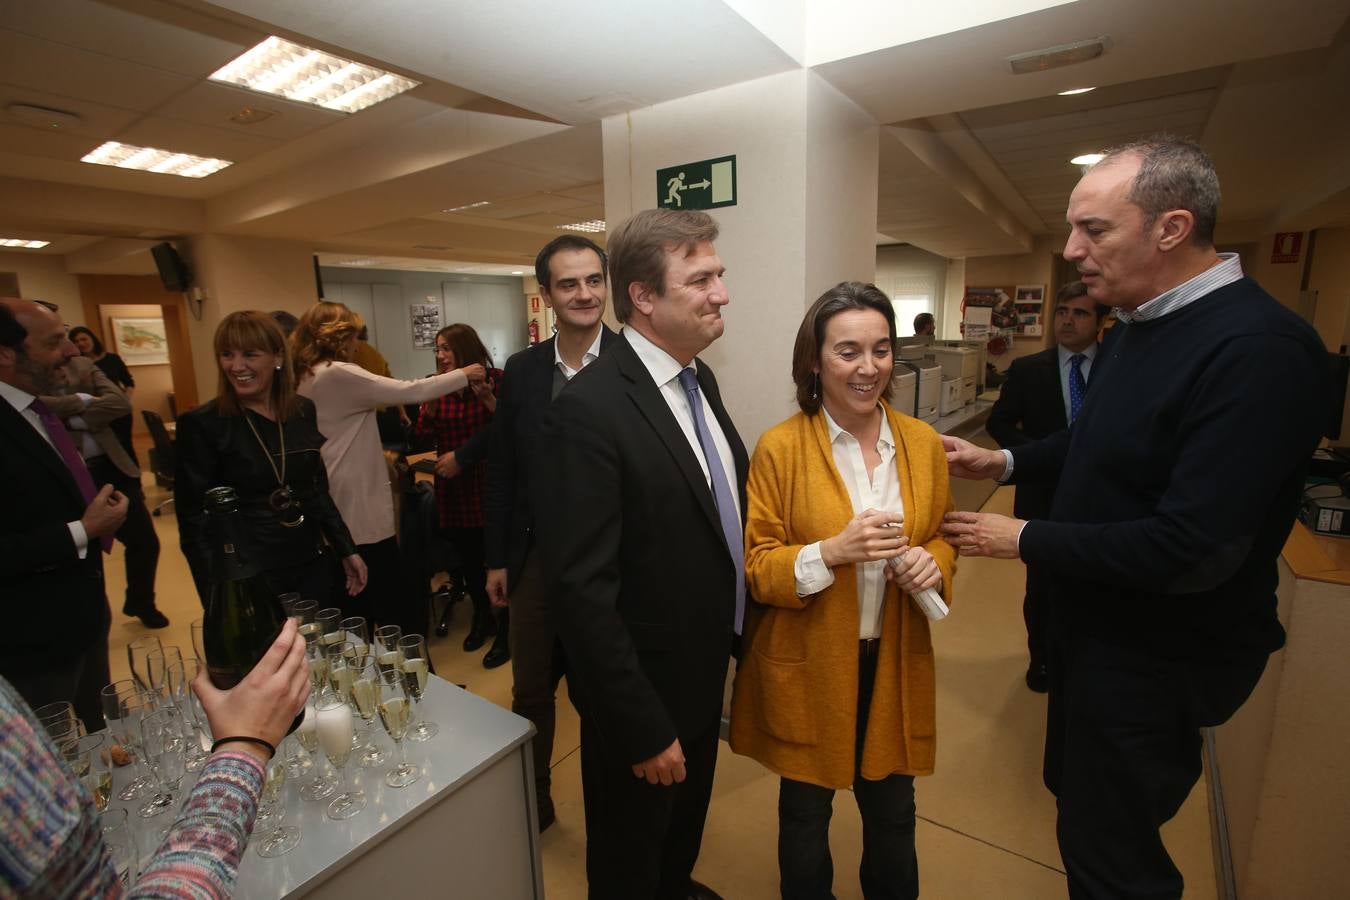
[[571, 273], [54, 525], [641, 535], [1042, 396]]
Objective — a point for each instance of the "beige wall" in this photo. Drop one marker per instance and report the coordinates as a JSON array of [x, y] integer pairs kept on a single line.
[[153, 383], [44, 277]]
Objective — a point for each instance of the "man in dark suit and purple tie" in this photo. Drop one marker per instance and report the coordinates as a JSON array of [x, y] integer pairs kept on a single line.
[[54, 526]]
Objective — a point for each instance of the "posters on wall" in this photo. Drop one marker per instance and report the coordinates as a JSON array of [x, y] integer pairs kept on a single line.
[[426, 321], [140, 342]]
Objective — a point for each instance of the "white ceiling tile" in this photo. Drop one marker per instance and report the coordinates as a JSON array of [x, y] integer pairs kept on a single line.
[[202, 140], [209, 103], [97, 120], [58, 69]]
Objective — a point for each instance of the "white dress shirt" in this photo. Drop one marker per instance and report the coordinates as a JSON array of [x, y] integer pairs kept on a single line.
[[591, 355], [22, 401], [665, 371], [879, 490]]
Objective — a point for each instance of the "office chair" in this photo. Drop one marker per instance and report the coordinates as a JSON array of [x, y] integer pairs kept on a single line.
[[162, 459]]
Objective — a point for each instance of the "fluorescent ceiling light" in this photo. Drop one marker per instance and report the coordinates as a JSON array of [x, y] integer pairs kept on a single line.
[[1060, 55], [1088, 159], [590, 226], [517, 272], [25, 244], [283, 69], [152, 159], [359, 262], [468, 206], [1072, 92]]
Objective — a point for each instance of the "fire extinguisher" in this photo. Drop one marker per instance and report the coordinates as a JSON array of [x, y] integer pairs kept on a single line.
[[534, 331]]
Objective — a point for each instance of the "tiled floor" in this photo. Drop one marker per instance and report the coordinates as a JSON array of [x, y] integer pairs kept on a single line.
[[986, 823]]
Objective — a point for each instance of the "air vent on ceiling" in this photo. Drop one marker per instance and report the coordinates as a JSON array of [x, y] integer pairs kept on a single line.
[[251, 115], [1057, 56], [43, 116]]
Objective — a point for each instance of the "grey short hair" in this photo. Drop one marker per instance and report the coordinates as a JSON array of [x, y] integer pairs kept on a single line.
[[1173, 174]]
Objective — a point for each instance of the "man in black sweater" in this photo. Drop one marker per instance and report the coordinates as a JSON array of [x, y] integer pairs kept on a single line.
[[1042, 395], [1178, 485]]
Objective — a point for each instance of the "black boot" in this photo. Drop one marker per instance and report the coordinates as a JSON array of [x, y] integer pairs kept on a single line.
[[483, 627], [501, 647]]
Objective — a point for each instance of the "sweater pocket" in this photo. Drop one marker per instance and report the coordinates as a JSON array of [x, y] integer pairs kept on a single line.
[[783, 702]]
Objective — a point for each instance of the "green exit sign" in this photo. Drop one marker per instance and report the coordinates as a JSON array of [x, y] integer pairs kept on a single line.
[[706, 184]]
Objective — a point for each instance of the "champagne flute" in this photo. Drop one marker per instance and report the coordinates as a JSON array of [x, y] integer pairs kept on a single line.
[[340, 671], [357, 634], [335, 736], [304, 612], [395, 710], [196, 727], [65, 731], [330, 628], [125, 729], [318, 666], [163, 742], [281, 838], [137, 653], [55, 713], [416, 665], [365, 692], [196, 627], [307, 734], [157, 663], [386, 639], [121, 843], [90, 762], [288, 601]]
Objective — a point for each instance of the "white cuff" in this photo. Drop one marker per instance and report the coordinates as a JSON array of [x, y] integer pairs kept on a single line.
[[1007, 467], [812, 575], [1019, 538], [78, 535]]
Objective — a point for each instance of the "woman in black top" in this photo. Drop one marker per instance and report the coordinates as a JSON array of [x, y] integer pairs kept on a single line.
[[116, 369], [260, 438]]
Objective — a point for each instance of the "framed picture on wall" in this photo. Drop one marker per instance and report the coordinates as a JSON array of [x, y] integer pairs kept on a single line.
[[140, 342], [1030, 293], [426, 321]]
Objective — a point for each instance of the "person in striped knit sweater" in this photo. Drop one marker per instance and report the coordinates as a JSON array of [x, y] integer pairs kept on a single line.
[[52, 846]]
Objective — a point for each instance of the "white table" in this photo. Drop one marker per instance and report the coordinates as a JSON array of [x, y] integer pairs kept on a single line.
[[468, 828]]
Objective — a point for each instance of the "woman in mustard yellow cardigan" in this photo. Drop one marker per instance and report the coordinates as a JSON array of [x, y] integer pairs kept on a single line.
[[835, 684]]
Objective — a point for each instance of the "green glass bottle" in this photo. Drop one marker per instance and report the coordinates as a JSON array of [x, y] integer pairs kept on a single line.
[[243, 616]]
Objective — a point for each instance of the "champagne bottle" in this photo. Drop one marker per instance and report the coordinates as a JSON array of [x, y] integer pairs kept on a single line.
[[243, 616]]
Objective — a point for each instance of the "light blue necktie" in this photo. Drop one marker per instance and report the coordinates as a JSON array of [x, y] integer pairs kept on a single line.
[[1077, 386], [721, 489]]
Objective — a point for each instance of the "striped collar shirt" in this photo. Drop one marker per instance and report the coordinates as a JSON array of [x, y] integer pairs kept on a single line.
[[1225, 272]]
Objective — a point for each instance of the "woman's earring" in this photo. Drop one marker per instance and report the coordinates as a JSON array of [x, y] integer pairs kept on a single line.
[[278, 368], [815, 387]]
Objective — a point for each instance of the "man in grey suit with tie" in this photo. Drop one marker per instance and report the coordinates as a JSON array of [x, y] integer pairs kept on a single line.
[[1041, 396], [640, 533], [55, 521]]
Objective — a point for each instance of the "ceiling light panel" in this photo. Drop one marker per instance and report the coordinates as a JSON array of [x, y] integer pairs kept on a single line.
[[592, 226], [23, 243], [284, 69], [1087, 159], [153, 159]]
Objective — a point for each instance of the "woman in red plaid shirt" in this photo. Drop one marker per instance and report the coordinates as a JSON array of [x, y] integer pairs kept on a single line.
[[457, 423]]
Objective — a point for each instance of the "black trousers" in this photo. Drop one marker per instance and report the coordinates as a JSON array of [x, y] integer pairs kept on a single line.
[[890, 865], [1036, 613], [391, 596], [1122, 752], [137, 534], [642, 840], [536, 666], [469, 547]]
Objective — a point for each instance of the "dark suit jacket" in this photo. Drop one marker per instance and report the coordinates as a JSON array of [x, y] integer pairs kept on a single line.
[[644, 586], [527, 391], [1030, 407], [53, 600]]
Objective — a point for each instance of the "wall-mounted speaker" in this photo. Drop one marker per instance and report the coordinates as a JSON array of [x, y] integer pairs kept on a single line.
[[172, 270]]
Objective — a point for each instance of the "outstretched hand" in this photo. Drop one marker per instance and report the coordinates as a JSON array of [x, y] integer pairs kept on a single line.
[[965, 460], [266, 701], [982, 534]]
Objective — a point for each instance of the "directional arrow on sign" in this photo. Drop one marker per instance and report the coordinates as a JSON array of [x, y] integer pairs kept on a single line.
[[704, 184]]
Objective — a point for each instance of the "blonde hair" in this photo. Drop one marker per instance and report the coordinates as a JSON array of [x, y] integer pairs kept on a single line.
[[323, 334], [254, 330]]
